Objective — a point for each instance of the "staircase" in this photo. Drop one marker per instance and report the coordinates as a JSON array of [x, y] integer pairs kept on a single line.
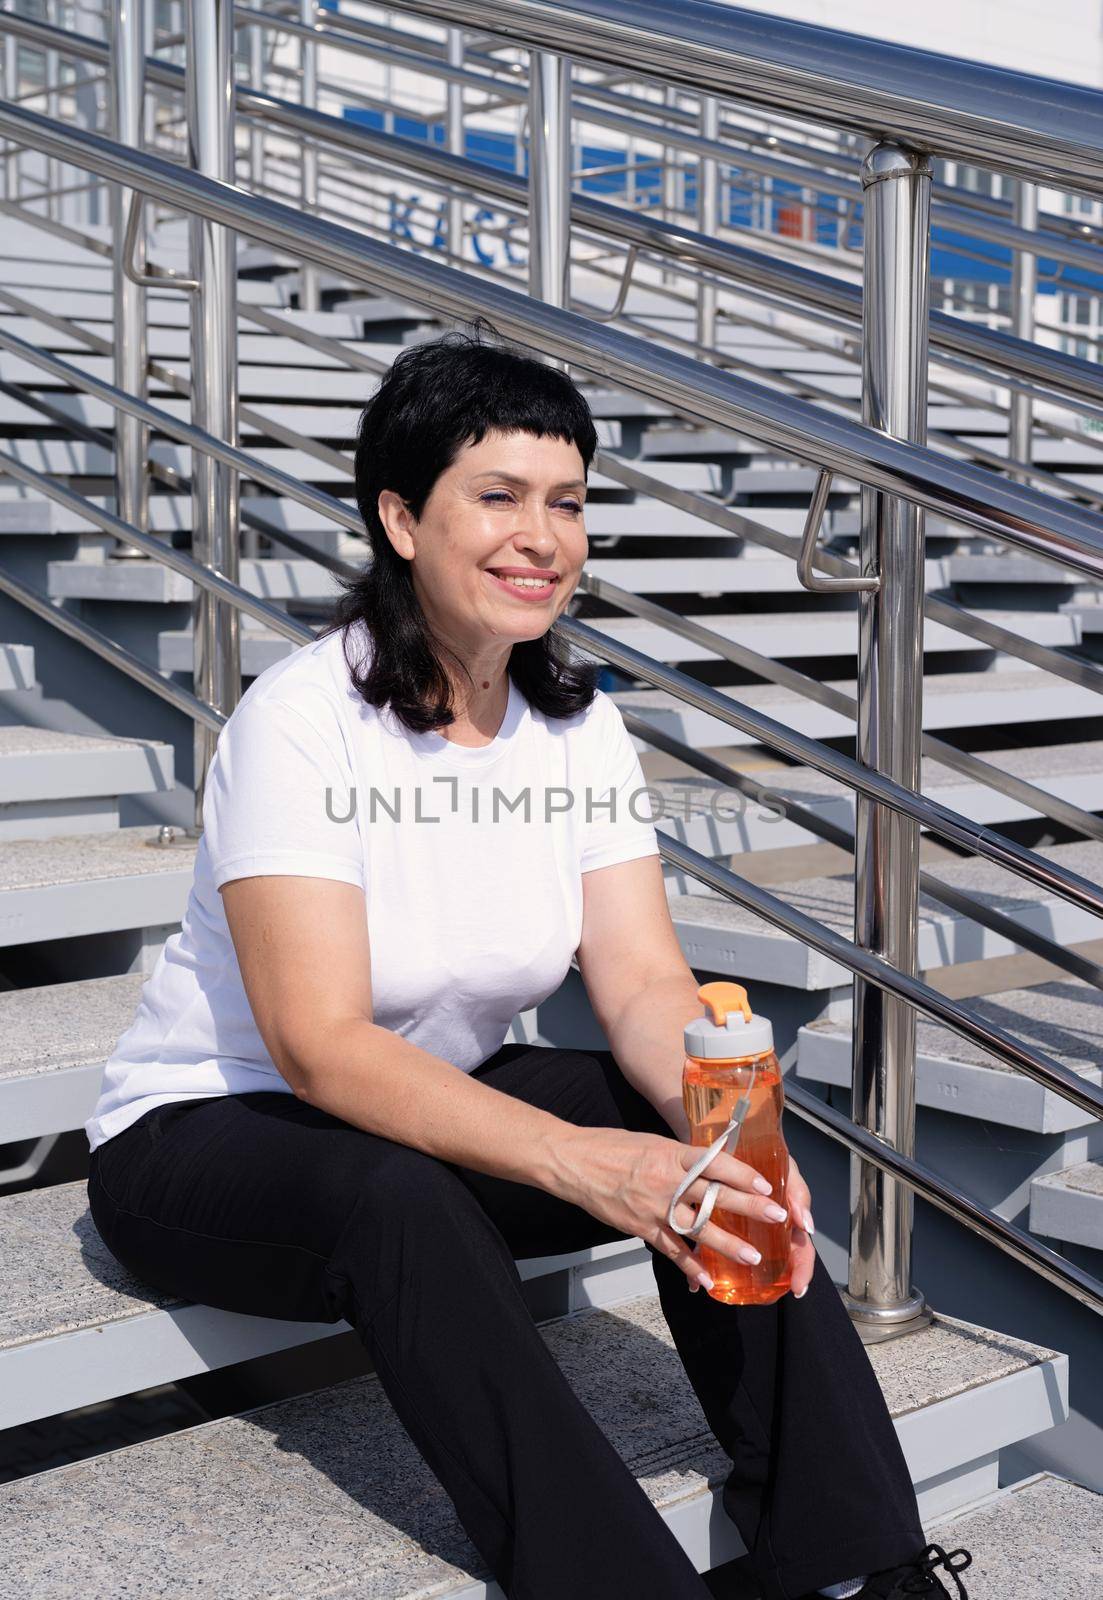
[[251, 1457]]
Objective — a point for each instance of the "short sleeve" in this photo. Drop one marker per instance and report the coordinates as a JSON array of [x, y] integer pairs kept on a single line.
[[617, 812], [280, 795]]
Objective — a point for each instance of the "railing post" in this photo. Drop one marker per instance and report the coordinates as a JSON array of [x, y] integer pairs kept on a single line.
[[896, 185], [1024, 284], [256, 130], [216, 632], [455, 144], [308, 175], [128, 56], [549, 178], [669, 179], [708, 214]]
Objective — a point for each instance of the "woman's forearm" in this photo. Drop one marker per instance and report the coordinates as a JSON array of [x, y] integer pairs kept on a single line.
[[375, 1079], [646, 1040]]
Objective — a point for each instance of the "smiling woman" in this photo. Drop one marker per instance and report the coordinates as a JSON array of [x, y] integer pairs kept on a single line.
[[412, 824]]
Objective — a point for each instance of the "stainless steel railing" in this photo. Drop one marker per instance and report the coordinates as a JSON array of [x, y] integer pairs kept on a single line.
[[892, 470]]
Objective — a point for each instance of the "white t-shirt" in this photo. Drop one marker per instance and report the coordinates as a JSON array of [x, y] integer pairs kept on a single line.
[[471, 860]]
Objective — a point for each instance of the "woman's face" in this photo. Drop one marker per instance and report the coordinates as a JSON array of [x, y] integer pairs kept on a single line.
[[512, 503]]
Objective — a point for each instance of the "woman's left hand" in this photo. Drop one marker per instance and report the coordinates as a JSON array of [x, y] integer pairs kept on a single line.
[[802, 1253]]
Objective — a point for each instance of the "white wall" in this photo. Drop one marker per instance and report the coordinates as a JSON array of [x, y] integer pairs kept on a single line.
[[1057, 38]]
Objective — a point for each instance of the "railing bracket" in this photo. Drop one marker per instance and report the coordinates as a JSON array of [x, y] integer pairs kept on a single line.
[[814, 581], [152, 277]]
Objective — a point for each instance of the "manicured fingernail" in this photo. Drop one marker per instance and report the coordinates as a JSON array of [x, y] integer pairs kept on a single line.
[[808, 1223], [802, 1293], [705, 1281], [763, 1185], [747, 1252], [693, 1287], [775, 1212]]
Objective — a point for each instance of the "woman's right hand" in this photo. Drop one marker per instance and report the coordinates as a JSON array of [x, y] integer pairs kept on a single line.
[[626, 1179]]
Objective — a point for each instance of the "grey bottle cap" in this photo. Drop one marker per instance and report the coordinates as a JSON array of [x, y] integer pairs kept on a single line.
[[736, 1038]]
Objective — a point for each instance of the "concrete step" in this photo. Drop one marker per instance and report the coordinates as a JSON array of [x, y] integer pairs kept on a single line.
[[784, 479], [321, 379], [16, 667], [747, 573], [1006, 566], [957, 1394], [791, 635], [719, 821], [1039, 1538], [54, 1040], [90, 305], [168, 513], [675, 442], [1046, 451], [1063, 1018], [67, 783], [950, 700], [92, 883], [720, 936], [149, 583], [76, 1327], [288, 578], [1072, 772], [1089, 618], [775, 635], [172, 344], [1068, 1205], [77, 458], [642, 517]]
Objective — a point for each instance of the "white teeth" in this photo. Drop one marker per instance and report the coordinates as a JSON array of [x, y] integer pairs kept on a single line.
[[525, 583]]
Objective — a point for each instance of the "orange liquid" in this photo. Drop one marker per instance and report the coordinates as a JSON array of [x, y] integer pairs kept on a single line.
[[710, 1090]]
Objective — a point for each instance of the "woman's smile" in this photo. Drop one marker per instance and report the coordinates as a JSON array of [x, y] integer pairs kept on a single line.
[[527, 587]]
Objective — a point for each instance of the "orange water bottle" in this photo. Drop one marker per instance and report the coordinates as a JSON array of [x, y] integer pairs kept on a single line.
[[733, 1098]]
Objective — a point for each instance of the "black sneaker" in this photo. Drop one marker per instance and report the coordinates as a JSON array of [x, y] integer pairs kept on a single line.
[[918, 1576]]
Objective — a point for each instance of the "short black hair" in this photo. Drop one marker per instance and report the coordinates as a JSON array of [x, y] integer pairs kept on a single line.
[[435, 398]]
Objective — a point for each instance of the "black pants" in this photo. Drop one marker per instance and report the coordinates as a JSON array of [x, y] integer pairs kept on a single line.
[[263, 1204]]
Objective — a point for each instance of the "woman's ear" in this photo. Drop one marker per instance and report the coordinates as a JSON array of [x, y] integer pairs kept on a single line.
[[398, 522]]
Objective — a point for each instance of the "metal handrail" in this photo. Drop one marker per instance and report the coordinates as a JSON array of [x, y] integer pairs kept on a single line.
[[326, 505], [524, 314], [1071, 379], [835, 699], [1032, 127], [1069, 961], [922, 1180], [1083, 673], [1010, 511]]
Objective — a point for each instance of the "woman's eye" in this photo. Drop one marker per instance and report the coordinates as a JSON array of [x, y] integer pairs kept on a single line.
[[496, 496]]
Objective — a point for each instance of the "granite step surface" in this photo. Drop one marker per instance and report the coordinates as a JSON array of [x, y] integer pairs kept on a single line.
[[775, 635], [1068, 1205], [77, 1328], [719, 821], [62, 783], [795, 634], [92, 883], [54, 1040], [1038, 1540], [1063, 1018], [324, 1494], [721, 936], [950, 700]]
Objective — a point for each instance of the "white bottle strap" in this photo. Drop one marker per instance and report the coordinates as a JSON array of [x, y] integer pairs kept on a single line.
[[705, 1209]]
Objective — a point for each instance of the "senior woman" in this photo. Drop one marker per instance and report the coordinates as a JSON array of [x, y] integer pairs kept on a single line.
[[313, 1114]]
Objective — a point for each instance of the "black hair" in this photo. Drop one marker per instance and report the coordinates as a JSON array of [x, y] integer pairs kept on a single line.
[[435, 398]]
